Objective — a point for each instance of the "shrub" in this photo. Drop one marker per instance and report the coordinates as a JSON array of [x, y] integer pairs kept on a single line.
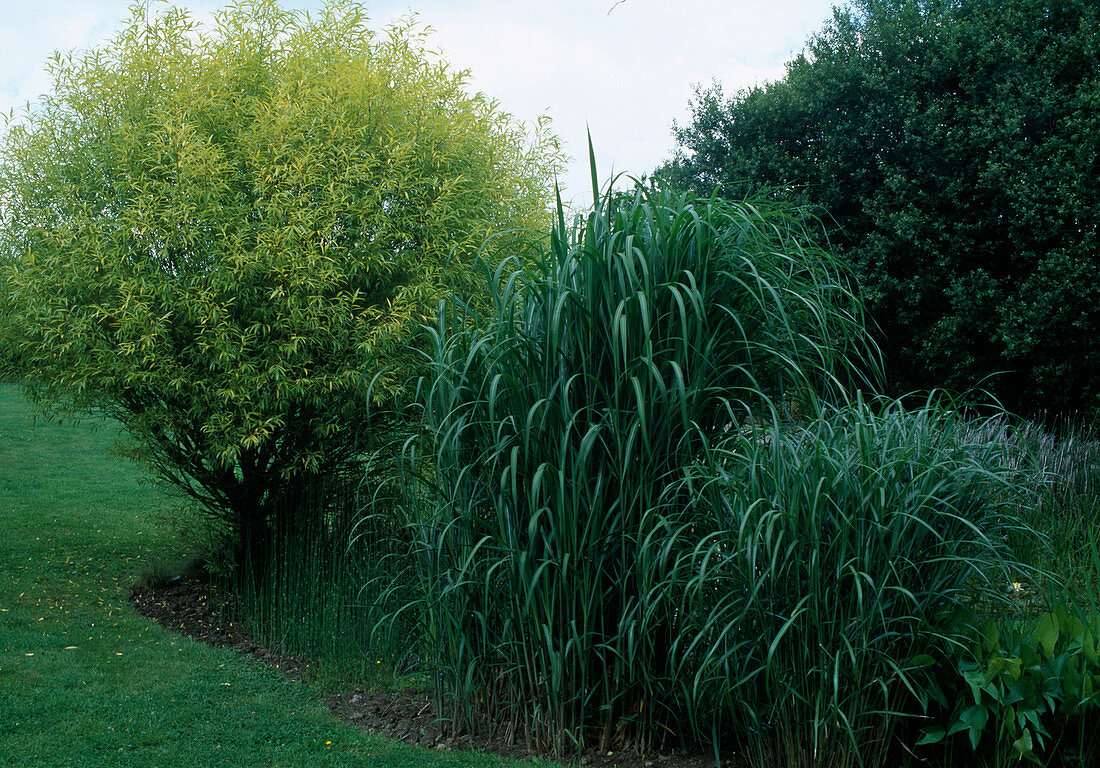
[[10, 357], [10, 368], [220, 235]]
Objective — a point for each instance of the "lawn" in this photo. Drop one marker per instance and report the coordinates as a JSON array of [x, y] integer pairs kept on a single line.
[[84, 679]]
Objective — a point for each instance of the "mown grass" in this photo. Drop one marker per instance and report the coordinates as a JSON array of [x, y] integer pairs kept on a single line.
[[84, 679]]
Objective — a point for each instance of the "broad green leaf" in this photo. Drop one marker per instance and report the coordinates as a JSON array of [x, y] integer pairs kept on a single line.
[[1046, 633]]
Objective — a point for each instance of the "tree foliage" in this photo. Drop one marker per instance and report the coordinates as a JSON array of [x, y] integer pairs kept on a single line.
[[954, 146], [223, 234], [9, 354]]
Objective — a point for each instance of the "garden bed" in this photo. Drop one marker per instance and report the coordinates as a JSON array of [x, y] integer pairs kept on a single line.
[[193, 607]]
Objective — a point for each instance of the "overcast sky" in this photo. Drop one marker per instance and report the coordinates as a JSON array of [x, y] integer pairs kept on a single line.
[[622, 68]]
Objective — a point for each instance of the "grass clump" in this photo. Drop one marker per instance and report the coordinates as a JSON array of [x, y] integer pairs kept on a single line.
[[315, 599], [550, 515], [159, 574], [1063, 464], [836, 556]]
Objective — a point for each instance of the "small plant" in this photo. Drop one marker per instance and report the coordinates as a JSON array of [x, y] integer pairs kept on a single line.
[[155, 575], [1021, 693]]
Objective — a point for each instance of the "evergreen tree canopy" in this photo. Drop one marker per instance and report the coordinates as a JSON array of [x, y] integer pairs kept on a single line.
[[953, 147]]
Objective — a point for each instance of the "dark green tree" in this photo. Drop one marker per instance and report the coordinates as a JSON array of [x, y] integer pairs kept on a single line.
[[222, 235], [953, 147]]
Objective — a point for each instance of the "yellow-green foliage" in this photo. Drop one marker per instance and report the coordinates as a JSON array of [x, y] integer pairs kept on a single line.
[[9, 357], [217, 231]]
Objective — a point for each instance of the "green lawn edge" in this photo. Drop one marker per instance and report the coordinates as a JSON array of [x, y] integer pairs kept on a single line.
[[87, 681]]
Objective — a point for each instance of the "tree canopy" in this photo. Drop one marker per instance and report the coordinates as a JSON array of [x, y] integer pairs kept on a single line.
[[223, 234], [954, 149]]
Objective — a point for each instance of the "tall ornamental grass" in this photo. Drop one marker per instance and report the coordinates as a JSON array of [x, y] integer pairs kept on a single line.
[[552, 514], [1057, 470], [834, 557], [310, 600], [1064, 461]]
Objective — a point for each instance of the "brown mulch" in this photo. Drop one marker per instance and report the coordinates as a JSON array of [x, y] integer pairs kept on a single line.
[[195, 608]]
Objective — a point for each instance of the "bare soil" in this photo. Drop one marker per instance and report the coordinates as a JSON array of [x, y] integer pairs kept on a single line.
[[193, 607]]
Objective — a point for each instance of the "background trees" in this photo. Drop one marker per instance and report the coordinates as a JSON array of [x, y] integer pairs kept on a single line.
[[954, 146], [222, 236]]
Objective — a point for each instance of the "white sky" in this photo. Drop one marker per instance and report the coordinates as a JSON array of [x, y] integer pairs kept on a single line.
[[622, 68]]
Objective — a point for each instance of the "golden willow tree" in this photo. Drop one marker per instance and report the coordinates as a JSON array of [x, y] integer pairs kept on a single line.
[[226, 236]]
